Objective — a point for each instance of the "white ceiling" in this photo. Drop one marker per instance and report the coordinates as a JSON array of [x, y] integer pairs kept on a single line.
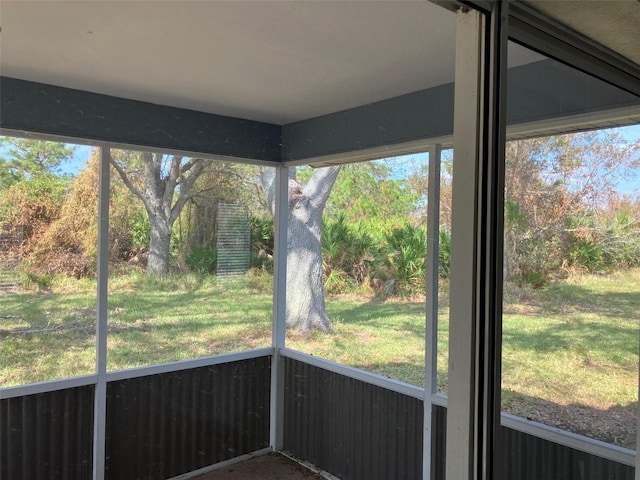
[[272, 61]]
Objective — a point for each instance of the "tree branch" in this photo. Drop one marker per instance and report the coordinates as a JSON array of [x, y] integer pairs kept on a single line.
[[186, 182], [320, 184], [125, 179]]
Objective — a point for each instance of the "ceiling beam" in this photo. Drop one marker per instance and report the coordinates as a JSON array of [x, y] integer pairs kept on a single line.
[[539, 94], [46, 109]]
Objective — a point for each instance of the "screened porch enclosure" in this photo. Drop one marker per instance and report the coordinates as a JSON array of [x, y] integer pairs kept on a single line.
[[304, 85]]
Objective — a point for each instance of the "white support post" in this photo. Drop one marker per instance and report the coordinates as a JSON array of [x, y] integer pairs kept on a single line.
[[281, 219], [462, 312], [433, 264], [473, 415], [100, 404]]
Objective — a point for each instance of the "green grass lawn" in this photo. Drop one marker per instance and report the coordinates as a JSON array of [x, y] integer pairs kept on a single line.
[[570, 352]]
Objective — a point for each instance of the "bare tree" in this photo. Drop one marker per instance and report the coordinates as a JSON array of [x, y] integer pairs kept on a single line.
[[305, 289], [553, 188]]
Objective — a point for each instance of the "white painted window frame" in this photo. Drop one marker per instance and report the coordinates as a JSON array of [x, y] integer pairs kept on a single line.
[[432, 283], [100, 403], [281, 224]]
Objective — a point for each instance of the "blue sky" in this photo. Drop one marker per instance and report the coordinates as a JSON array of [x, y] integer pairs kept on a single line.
[[631, 186], [77, 163], [631, 134]]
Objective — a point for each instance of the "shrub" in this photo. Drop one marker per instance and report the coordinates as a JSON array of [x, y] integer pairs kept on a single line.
[[534, 278], [140, 229], [605, 242], [260, 280], [203, 260], [586, 252], [33, 281], [262, 242], [402, 265], [444, 254], [69, 244], [345, 254], [28, 208]]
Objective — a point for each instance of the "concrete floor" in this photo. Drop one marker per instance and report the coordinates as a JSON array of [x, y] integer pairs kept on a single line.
[[271, 466]]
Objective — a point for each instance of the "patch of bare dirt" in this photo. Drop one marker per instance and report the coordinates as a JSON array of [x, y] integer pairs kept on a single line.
[[616, 425]]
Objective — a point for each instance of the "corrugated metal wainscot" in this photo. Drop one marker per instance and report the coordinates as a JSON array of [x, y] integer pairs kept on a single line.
[[47, 435], [350, 428], [356, 430], [160, 426], [532, 458], [438, 442], [527, 457]]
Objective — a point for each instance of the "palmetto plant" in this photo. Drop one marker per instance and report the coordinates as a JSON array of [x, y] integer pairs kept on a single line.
[[346, 250], [402, 263]]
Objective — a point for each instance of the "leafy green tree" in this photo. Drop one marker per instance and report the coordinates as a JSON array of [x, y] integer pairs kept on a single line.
[[418, 180], [31, 189], [25, 158], [368, 190]]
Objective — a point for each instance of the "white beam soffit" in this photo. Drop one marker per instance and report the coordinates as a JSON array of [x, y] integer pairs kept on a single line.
[[611, 23], [549, 37]]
